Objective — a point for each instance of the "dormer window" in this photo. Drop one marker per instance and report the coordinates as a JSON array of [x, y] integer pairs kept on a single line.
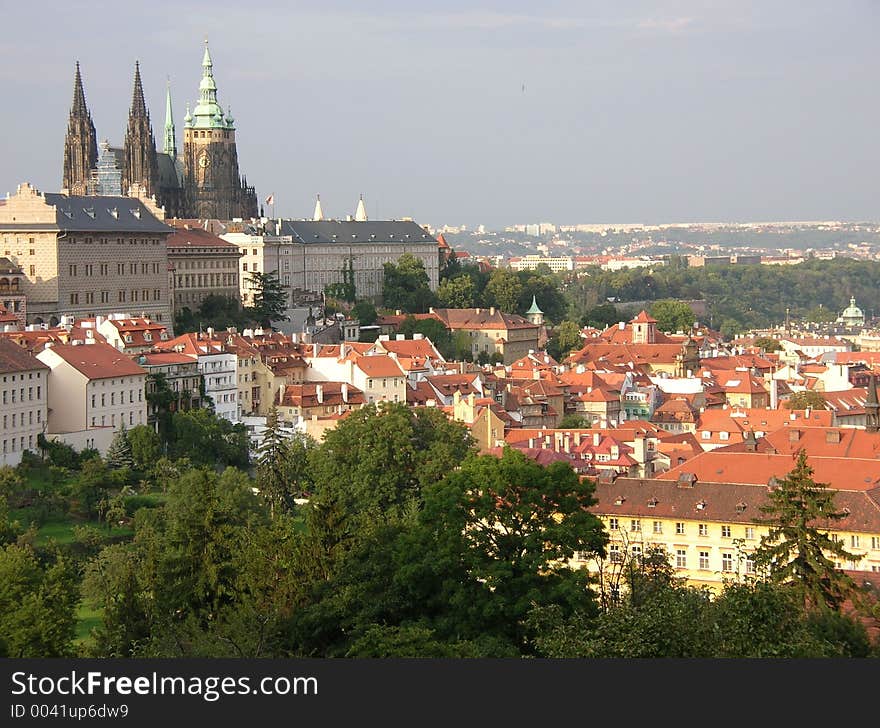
[[127, 338], [148, 336], [136, 212], [701, 505], [653, 503], [619, 500], [90, 211]]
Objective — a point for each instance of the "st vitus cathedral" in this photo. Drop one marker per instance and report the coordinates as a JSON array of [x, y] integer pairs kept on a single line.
[[203, 183]]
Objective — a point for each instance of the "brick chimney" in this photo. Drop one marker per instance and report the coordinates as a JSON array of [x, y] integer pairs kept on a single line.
[[319, 393]]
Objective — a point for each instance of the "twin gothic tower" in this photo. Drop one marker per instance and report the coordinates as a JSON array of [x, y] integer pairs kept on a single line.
[[202, 183]]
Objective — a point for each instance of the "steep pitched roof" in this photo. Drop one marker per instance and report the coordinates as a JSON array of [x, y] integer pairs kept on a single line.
[[98, 360], [15, 358]]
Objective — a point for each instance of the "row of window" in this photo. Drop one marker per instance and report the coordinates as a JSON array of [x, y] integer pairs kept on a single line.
[[11, 396], [121, 296], [113, 398], [206, 279], [121, 419], [203, 264], [635, 526], [104, 269], [16, 419], [10, 444], [11, 377]]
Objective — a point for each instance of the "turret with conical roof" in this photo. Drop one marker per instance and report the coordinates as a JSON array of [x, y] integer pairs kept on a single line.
[[319, 211], [140, 166], [361, 214], [80, 143], [535, 314]]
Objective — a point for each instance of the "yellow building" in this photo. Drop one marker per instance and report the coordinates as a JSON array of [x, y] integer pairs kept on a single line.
[[708, 530]]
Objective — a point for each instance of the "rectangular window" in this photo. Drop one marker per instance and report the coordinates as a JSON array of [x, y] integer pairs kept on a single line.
[[74, 298], [726, 562], [750, 533], [725, 532], [614, 554], [704, 560], [635, 526], [875, 542], [679, 529], [636, 551], [750, 564], [703, 529], [33, 270], [681, 558], [854, 542], [658, 526]]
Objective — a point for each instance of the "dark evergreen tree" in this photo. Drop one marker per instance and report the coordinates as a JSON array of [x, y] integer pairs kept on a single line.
[[798, 549]]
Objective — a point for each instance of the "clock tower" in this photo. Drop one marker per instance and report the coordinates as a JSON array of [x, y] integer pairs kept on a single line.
[[213, 187]]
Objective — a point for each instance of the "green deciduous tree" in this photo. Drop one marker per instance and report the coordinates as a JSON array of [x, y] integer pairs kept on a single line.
[[365, 313], [456, 292], [566, 338], [405, 285], [796, 550], [146, 448], [378, 459], [520, 524], [504, 289], [765, 343], [672, 315]]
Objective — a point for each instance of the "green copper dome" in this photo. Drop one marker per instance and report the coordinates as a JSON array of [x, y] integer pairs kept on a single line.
[[208, 114]]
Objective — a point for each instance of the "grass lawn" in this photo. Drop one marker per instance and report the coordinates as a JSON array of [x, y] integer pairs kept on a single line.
[[61, 531], [86, 619]]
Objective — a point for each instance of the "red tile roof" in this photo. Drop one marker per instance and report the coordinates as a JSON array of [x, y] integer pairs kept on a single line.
[[98, 361], [15, 358]]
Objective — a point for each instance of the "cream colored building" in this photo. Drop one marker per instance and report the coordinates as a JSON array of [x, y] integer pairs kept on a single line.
[[491, 331], [309, 255], [94, 390], [87, 255], [23, 401]]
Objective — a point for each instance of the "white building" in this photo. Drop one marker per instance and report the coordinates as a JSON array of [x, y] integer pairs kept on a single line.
[[530, 262], [94, 390], [23, 401]]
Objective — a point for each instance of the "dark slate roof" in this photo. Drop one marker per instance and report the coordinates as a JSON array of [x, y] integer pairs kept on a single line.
[[351, 232], [170, 174], [8, 267], [103, 214], [15, 358]]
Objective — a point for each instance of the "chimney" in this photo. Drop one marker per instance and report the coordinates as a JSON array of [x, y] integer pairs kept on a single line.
[[345, 392], [319, 392], [577, 439], [794, 435], [531, 443], [400, 337], [566, 442], [596, 439], [491, 310]]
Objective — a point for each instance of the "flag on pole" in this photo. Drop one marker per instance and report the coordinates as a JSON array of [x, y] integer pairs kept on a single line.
[[270, 200]]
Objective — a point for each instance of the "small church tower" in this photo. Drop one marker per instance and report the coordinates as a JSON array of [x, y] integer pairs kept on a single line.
[[535, 315], [80, 144]]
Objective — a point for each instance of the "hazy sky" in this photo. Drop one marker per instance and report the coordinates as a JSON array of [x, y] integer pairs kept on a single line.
[[632, 112]]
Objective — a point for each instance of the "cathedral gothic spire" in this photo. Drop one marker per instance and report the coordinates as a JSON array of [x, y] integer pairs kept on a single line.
[[80, 144], [170, 147], [139, 150]]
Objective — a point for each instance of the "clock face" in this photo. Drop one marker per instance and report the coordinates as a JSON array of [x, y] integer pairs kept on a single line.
[[203, 160]]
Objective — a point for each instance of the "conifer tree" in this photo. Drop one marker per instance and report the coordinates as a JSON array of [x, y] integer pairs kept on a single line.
[[271, 458], [119, 453], [798, 549]]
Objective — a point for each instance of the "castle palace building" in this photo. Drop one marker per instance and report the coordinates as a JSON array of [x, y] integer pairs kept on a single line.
[[203, 182]]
